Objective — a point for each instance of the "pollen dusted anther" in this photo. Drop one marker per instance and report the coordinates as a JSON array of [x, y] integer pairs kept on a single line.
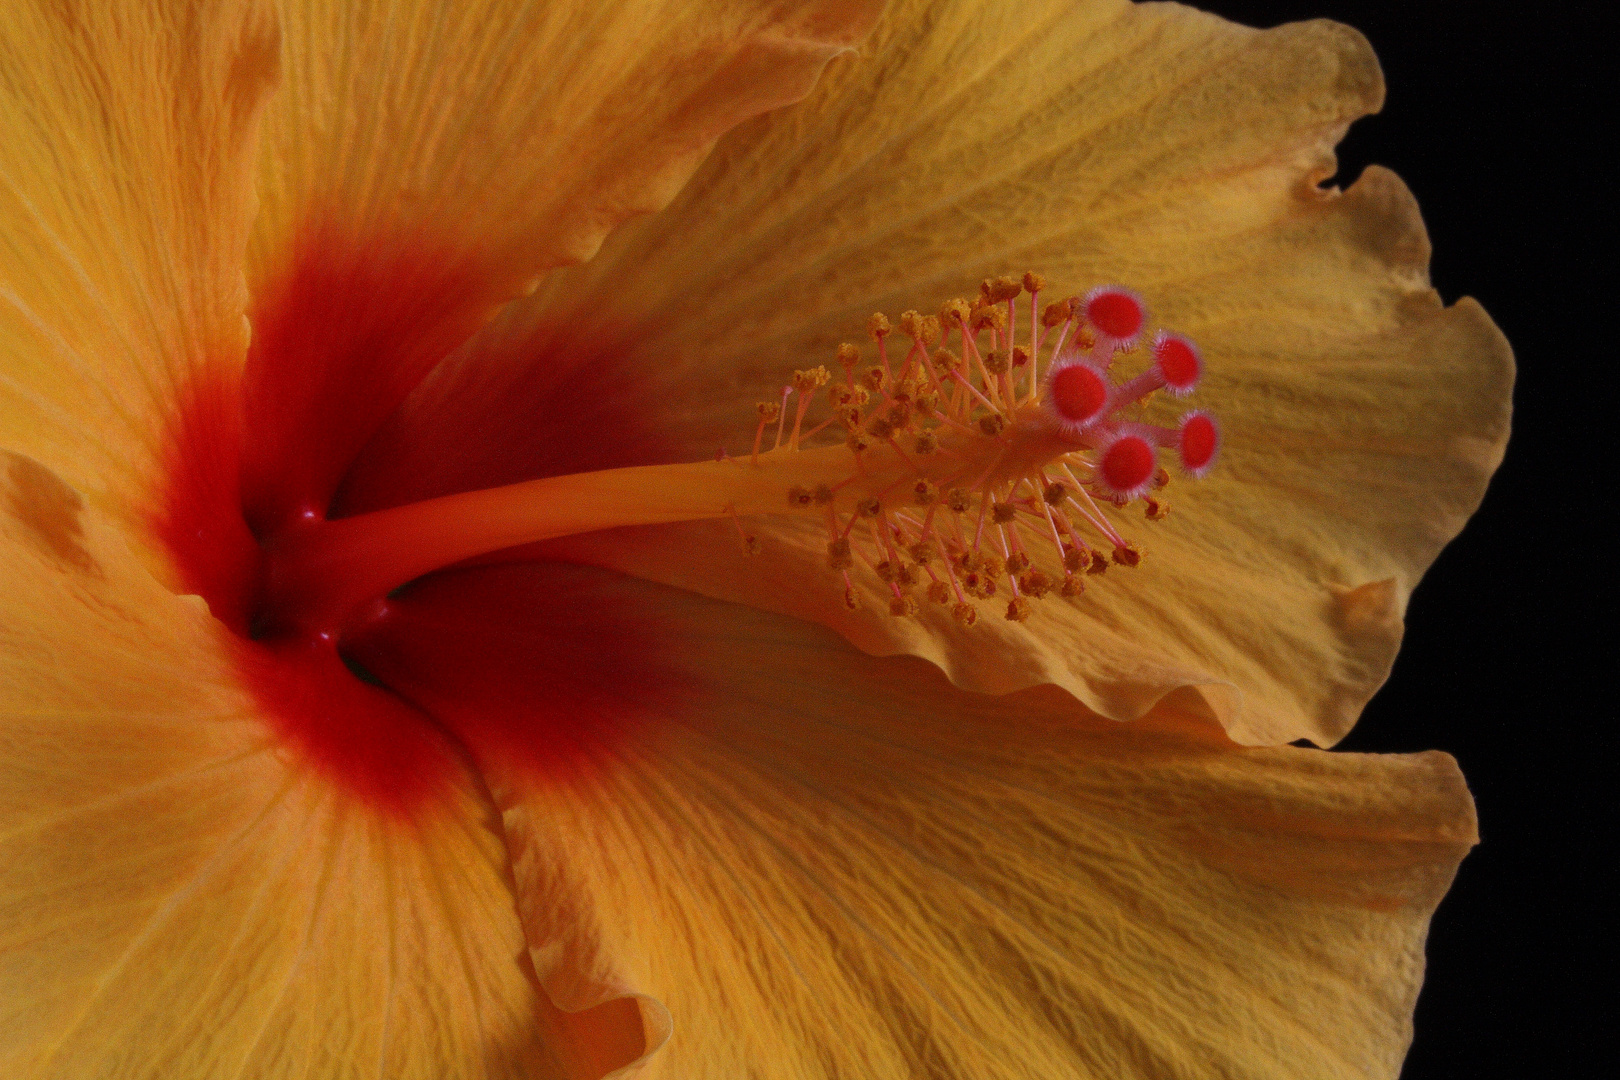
[[993, 457]]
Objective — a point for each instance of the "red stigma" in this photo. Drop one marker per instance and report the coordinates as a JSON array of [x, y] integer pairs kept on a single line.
[[1178, 363], [1127, 465], [1115, 312], [1079, 393], [1198, 442]]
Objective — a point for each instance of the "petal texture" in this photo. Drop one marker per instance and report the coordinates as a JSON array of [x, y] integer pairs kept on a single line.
[[830, 864], [125, 203], [1152, 145], [180, 898], [427, 160]]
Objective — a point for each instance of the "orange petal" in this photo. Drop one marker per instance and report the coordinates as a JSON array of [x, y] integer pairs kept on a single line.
[[427, 160], [826, 863], [125, 203], [518, 135], [1152, 145], [180, 898]]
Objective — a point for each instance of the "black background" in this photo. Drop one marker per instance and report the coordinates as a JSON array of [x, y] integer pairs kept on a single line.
[[1494, 119]]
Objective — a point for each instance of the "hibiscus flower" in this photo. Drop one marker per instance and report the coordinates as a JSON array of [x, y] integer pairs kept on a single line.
[[308, 770]]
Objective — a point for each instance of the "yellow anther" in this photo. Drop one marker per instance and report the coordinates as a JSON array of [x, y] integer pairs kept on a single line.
[[1035, 583], [1017, 563], [993, 425], [800, 498], [1129, 555], [858, 441], [1020, 356], [822, 495], [1055, 492], [924, 493], [884, 571], [838, 554], [911, 325], [1157, 509], [840, 394], [849, 355], [814, 379], [1161, 478], [872, 378], [1072, 586], [959, 499], [1001, 289], [878, 325], [1018, 609], [926, 404], [1033, 282], [849, 599], [1001, 512], [1076, 559], [966, 614], [939, 592], [769, 411], [932, 332], [995, 362], [978, 584], [991, 564], [869, 507], [849, 416], [1056, 314], [901, 606], [994, 318], [945, 361], [905, 390], [954, 313], [923, 551], [926, 443]]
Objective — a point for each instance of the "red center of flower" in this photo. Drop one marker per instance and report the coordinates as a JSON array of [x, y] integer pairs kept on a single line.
[[376, 697]]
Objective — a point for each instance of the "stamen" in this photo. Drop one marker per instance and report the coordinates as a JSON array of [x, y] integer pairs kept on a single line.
[[1019, 425], [769, 411]]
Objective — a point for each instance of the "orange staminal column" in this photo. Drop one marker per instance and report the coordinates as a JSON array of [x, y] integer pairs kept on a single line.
[[319, 573]]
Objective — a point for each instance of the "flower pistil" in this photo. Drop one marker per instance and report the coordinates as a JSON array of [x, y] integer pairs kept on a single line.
[[980, 459]]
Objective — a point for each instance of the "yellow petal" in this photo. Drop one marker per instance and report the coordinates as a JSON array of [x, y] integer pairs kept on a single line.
[[826, 863], [516, 136], [1151, 145], [180, 899], [125, 203]]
